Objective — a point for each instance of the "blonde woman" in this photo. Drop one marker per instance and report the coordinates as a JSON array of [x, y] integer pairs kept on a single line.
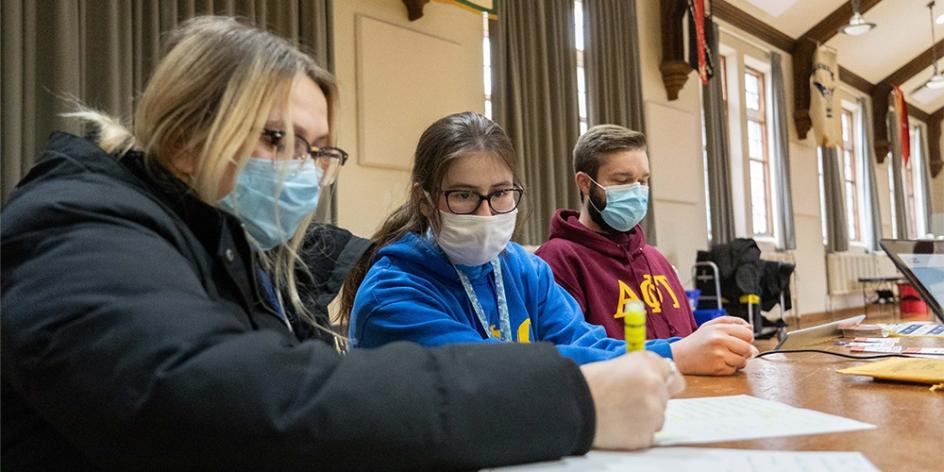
[[144, 329]]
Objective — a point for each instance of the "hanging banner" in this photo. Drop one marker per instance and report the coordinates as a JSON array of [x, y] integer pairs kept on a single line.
[[476, 6], [699, 12], [824, 112], [699, 51], [901, 117]]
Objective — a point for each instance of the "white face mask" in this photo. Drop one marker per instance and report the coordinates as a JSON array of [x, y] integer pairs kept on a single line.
[[473, 240]]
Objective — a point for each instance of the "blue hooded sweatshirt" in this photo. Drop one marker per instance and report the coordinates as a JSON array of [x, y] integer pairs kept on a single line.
[[413, 293]]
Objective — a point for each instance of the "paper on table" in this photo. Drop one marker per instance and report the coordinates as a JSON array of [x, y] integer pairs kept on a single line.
[[918, 329], [690, 459], [911, 370], [931, 351], [736, 417]]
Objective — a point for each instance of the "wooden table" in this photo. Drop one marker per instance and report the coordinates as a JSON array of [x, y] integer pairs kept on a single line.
[[909, 418]]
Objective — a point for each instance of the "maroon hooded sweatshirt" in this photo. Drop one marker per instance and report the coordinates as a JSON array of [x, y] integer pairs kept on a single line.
[[605, 271]]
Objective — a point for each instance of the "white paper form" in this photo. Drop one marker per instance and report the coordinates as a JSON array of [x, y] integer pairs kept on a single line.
[[686, 459], [737, 417]]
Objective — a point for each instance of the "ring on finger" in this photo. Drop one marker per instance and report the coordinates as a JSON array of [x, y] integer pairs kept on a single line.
[[670, 369]]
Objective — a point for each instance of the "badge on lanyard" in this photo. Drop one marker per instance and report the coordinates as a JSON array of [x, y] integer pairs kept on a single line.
[[503, 316]]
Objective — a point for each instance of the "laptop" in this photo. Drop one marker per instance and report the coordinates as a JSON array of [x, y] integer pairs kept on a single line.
[[816, 334], [922, 263]]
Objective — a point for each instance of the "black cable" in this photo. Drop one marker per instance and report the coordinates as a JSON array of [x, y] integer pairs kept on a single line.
[[831, 353]]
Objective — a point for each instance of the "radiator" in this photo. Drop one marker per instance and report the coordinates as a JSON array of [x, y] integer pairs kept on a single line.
[[843, 270]]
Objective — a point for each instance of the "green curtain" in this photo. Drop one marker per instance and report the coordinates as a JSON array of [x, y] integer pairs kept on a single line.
[[786, 240], [871, 185], [614, 82], [837, 229], [101, 53], [534, 95], [717, 154]]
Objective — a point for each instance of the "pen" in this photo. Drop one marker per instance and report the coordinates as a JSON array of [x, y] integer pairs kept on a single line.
[[634, 326]]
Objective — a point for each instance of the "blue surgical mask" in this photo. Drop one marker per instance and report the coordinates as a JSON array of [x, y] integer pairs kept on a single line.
[[626, 205], [272, 197]]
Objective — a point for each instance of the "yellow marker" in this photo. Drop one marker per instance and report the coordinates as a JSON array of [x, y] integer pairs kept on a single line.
[[634, 326]]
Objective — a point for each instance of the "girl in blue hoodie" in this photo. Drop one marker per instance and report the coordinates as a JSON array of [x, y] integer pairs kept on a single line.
[[443, 269]]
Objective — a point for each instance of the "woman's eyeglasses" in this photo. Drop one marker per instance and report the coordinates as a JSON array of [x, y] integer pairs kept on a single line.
[[466, 202], [328, 158]]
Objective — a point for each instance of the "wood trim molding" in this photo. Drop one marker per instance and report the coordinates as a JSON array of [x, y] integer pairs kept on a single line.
[[675, 69], [803, 50], [880, 102], [744, 21]]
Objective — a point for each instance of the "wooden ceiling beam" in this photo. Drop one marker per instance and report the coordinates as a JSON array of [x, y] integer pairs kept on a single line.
[[855, 80], [919, 63], [744, 21]]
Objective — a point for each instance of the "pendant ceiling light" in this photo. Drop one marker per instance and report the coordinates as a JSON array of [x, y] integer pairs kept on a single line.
[[857, 25], [937, 80]]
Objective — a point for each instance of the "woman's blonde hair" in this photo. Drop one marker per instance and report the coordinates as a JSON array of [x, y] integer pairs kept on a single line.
[[207, 100]]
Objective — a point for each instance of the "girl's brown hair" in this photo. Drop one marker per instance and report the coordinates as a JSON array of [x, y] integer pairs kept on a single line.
[[440, 145]]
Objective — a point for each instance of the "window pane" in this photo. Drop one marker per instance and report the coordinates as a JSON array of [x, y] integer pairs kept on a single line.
[[581, 81], [847, 164], [578, 24], [845, 127], [755, 140], [752, 92]]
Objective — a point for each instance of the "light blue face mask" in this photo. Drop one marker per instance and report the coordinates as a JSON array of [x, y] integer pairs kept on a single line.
[[271, 198], [626, 205]]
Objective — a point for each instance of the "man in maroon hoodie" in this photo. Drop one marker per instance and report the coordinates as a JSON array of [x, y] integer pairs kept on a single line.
[[600, 256]]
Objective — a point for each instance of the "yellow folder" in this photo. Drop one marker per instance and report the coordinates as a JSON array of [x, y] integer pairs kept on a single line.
[[930, 371]]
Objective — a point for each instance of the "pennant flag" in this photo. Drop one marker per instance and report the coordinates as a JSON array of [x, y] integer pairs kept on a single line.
[[700, 56], [904, 130], [697, 12]]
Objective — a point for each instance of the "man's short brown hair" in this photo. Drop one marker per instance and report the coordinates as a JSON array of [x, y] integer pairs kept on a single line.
[[601, 140]]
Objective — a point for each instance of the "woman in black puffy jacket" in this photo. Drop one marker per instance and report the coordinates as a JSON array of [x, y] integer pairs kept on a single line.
[[150, 318]]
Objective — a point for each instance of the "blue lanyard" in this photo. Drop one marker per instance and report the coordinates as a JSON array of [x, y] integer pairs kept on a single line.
[[504, 318]]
